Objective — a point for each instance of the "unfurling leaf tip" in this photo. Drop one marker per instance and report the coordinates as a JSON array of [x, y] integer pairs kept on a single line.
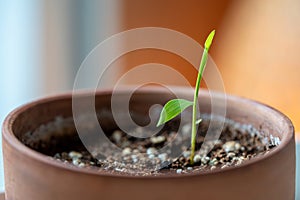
[[209, 40]]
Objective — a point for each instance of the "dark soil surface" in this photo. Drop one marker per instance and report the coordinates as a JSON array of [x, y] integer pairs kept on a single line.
[[144, 156]]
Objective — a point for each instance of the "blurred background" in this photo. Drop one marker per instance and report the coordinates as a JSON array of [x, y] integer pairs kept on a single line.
[[256, 48]]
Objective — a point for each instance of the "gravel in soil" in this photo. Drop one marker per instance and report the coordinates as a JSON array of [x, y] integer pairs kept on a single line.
[[142, 157]]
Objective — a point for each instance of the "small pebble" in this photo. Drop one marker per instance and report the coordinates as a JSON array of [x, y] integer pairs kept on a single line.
[[81, 165], [75, 155], [126, 151], [126, 158], [235, 159], [214, 162], [119, 170], [117, 135], [151, 150], [275, 141], [237, 146], [205, 160], [158, 139], [151, 156], [239, 162], [189, 168], [134, 156], [197, 158], [179, 171], [224, 166], [265, 141], [136, 151], [231, 146], [76, 162], [230, 155], [163, 157]]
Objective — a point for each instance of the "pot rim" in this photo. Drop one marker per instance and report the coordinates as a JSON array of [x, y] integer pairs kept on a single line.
[[12, 140]]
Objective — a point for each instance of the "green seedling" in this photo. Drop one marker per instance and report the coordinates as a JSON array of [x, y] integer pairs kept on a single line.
[[176, 106]]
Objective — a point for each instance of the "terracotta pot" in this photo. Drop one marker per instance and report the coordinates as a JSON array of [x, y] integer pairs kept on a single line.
[[30, 175]]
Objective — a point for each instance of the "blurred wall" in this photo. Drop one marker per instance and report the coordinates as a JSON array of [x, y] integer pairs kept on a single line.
[[259, 53], [195, 18], [20, 57], [72, 29], [42, 44]]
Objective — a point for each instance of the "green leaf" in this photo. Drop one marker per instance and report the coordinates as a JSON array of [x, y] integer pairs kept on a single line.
[[198, 121], [173, 108], [209, 40]]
